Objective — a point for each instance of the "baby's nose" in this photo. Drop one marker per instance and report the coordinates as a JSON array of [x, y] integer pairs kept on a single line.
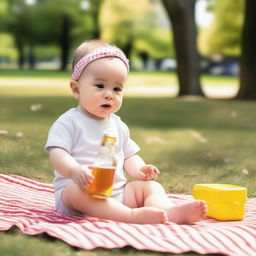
[[108, 94]]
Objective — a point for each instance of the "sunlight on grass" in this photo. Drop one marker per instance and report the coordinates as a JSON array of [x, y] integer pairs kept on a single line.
[[146, 84], [151, 79]]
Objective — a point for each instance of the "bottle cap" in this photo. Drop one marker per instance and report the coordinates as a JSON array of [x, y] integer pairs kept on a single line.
[[108, 137]]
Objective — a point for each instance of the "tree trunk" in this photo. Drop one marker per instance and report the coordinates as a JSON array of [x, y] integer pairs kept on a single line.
[[65, 41], [247, 88], [31, 56], [182, 17], [144, 58], [21, 53], [127, 48], [96, 5]]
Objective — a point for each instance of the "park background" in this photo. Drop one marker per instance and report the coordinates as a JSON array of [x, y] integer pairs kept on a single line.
[[184, 104]]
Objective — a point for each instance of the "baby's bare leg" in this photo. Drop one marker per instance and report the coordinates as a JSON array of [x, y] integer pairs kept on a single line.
[[111, 209], [151, 193], [146, 193]]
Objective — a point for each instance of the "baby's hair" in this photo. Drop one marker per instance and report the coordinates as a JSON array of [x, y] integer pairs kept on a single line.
[[88, 47]]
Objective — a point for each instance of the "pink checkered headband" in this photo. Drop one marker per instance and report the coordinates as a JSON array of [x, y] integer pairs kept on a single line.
[[98, 54]]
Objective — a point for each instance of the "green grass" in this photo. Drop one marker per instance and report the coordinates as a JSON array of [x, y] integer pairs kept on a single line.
[[17, 244], [191, 139]]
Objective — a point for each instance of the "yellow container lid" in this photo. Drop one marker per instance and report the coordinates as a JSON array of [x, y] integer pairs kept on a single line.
[[221, 193]]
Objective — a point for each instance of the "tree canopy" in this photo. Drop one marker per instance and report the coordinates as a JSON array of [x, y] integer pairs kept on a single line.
[[223, 36], [54, 23], [120, 23]]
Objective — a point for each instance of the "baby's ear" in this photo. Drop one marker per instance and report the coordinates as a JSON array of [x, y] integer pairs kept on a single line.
[[75, 88]]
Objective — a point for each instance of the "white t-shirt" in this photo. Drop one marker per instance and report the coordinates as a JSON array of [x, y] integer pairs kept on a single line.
[[81, 135]]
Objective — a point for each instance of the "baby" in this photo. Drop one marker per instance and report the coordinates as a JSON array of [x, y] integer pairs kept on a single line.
[[99, 74]]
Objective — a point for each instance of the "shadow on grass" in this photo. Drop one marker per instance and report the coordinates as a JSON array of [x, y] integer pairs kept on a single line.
[[192, 113]]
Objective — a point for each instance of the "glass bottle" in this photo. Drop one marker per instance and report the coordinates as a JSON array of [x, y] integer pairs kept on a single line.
[[104, 169]]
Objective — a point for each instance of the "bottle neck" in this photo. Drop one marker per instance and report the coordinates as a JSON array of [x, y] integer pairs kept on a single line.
[[106, 156]]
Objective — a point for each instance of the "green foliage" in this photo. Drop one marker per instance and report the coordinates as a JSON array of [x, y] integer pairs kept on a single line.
[[143, 22], [156, 44], [3, 10], [121, 22], [47, 53], [45, 23], [7, 49], [224, 34], [41, 24]]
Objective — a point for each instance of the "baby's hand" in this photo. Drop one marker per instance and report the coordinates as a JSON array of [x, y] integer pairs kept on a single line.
[[82, 176], [149, 172]]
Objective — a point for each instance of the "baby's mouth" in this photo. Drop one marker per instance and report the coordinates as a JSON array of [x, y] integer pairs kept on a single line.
[[106, 105]]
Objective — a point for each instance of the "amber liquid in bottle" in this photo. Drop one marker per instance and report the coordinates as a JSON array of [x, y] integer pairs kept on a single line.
[[104, 169]]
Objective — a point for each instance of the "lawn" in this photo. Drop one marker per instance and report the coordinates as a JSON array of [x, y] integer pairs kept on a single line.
[[138, 83], [191, 139]]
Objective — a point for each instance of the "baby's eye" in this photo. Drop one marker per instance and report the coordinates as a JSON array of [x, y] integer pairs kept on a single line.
[[99, 86], [117, 89]]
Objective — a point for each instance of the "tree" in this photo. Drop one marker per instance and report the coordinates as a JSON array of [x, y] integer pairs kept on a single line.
[[223, 35], [72, 19], [29, 24], [182, 17], [247, 88], [119, 21], [137, 31], [49, 22], [95, 13], [16, 22], [64, 21]]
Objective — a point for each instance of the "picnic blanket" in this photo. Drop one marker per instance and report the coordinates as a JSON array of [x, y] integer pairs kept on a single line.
[[29, 205]]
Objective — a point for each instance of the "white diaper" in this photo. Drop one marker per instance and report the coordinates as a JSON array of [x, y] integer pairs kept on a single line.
[[64, 210], [61, 208]]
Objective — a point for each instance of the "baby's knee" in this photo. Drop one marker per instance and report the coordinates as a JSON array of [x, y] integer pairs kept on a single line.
[[153, 183], [139, 186], [154, 186]]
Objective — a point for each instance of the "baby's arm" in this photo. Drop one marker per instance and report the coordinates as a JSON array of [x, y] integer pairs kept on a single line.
[[66, 165], [135, 167]]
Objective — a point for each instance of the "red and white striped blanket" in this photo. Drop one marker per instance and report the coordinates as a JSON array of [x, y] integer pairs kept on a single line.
[[29, 205]]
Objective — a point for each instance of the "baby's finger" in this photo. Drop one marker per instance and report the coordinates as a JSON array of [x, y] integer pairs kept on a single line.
[[90, 179], [87, 187], [150, 170], [142, 175], [81, 185], [155, 171]]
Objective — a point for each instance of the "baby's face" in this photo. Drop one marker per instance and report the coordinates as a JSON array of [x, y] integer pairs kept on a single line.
[[101, 87]]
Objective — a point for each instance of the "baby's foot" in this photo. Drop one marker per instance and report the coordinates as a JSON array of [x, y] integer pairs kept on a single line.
[[148, 215], [187, 213]]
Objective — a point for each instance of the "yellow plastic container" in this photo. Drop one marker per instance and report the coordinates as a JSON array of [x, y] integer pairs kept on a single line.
[[224, 201]]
